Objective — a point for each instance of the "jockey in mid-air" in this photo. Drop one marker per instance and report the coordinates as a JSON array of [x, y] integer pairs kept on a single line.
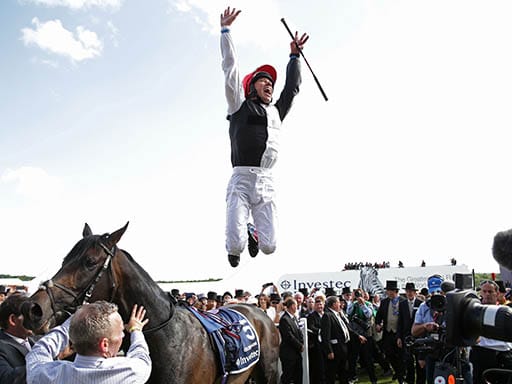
[[254, 125]]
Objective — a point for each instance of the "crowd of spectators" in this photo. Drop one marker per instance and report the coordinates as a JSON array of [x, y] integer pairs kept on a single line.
[[361, 265], [373, 332], [348, 332]]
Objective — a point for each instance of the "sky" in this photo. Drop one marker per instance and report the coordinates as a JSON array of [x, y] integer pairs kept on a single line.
[[114, 111]]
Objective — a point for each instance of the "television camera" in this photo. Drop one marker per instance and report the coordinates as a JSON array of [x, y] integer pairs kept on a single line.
[[465, 320]]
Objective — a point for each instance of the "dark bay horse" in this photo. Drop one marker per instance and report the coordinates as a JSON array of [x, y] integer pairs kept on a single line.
[[181, 350]]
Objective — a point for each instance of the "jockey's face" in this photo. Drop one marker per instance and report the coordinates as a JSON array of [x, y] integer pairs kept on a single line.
[[264, 89]]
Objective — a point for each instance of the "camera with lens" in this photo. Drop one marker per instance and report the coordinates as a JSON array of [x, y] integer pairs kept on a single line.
[[275, 298], [433, 345]]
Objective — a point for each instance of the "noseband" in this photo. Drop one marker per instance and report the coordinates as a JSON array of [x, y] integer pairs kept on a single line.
[[86, 293]]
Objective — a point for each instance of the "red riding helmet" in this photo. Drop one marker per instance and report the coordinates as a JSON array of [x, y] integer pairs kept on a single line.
[[264, 69]]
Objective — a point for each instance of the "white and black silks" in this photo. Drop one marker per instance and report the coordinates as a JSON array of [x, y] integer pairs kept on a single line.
[[254, 132]]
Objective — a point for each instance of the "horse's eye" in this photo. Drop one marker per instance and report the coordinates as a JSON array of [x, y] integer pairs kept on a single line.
[[90, 263]]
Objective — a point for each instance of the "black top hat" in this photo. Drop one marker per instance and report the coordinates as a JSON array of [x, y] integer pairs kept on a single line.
[[211, 295], [346, 290], [304, 291], [239, 293], [4, 289], [410, 287], [227, 293], [329, 291], [501, 286], [391, 285]]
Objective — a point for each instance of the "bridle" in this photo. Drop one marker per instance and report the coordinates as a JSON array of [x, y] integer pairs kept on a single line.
[[85, 294]]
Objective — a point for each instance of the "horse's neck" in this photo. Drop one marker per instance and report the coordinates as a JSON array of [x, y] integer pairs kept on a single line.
[[139, 288]]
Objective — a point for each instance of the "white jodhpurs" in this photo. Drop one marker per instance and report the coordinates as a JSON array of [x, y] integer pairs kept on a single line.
[[250, 191]]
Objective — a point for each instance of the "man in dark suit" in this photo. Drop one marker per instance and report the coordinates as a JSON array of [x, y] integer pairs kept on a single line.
[[15, 342], [387, 321], [316, 361], [406, 313], [292, 344], [336, 334]]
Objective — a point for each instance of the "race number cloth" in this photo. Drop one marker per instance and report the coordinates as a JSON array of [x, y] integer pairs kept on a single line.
[[235, 338]]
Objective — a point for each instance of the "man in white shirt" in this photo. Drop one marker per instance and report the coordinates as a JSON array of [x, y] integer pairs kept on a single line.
[[96, 332]]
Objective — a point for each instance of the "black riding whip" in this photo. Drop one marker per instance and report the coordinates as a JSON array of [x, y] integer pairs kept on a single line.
[[305, 60]]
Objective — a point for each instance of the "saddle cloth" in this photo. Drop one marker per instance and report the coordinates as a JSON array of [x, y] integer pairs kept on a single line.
[[234, 336]]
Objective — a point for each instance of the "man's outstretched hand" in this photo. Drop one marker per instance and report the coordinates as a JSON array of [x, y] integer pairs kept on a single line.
[[137, 321], [298, 42], [229, 15]]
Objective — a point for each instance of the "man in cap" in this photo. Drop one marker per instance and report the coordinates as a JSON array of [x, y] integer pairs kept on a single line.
[[254, 128], [406, 313]]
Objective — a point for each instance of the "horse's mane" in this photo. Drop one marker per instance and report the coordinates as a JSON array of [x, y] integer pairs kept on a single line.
[[140, 270]]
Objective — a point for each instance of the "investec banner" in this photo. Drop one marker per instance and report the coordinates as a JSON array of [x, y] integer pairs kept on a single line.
[[352, 278]]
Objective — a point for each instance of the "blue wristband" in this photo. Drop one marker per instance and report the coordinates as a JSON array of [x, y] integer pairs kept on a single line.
[[224, 30], [294, 56]]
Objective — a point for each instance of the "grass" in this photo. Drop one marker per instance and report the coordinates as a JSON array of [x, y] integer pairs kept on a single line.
[[363, 376]]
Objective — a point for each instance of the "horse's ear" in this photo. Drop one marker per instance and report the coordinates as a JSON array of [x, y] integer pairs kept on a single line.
[[87, 231], [116, 236]]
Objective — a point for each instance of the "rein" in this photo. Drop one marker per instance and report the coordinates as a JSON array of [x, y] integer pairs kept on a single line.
[[87, 292], [172, 302]]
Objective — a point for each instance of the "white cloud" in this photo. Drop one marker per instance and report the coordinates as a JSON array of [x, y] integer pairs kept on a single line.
[[114, 32], [33, 183], [79, 4], [52, 36]]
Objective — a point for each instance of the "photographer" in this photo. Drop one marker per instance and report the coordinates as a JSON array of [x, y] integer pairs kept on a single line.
[[490, 353], [275, 308], [430, 323]]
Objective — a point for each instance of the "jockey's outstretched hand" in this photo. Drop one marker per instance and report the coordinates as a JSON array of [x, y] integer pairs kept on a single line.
[[229, 15], [298, 42]]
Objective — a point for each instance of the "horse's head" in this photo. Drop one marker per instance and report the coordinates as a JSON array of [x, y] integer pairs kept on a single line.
[[85, 276]]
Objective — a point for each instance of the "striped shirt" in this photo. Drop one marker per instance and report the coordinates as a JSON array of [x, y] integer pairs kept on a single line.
[[43, 369]]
